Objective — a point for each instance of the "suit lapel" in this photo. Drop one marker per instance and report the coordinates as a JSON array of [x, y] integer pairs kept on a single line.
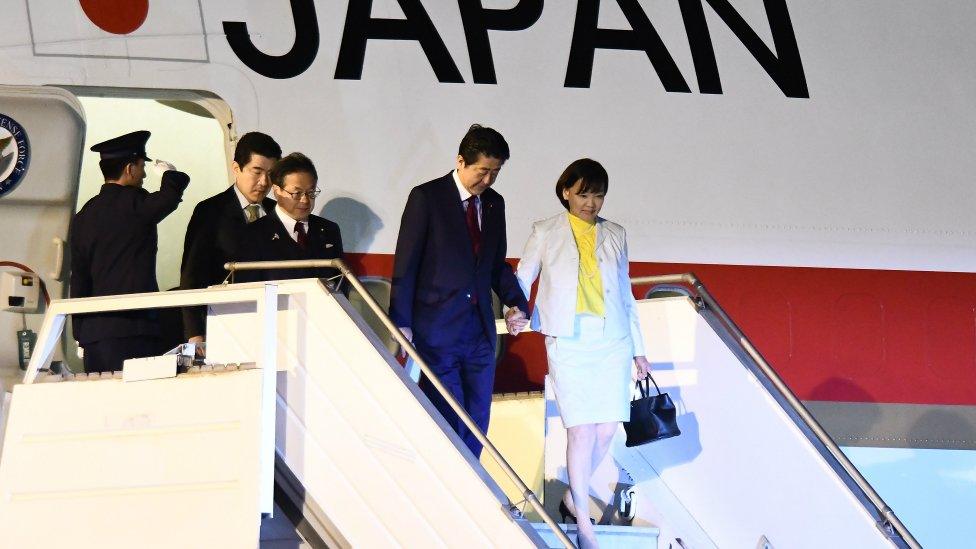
[[490, 224], [281, 240], [601, 232], [318, 245], [567, 237], [457, 225], [232, 208]]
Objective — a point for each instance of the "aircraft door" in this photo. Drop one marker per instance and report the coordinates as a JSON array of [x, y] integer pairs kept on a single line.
[[42, 132]]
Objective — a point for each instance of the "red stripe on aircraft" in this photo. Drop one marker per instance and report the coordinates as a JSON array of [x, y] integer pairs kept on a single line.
[[847, 335]]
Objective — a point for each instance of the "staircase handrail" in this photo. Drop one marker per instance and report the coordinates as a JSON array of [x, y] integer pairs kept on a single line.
[[407, 345], [889, 523]]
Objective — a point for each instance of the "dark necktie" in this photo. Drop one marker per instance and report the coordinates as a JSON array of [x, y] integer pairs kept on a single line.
[[302, 235], [474, 230]]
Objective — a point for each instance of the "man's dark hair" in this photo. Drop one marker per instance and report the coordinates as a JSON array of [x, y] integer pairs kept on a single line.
[[255, 143], [592, 174], [295, 162], [113, 168], [482, 140]]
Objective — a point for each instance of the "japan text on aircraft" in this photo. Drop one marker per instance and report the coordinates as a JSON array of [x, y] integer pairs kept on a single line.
[[782, 63]]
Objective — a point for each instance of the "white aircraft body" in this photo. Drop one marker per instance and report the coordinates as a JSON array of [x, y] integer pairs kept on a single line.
[[810, 161]]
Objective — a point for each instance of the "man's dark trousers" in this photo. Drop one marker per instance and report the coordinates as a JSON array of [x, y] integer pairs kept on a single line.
[[466, 368], [108, 355]]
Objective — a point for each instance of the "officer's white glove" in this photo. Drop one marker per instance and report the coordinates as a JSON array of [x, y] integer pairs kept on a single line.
[[159, 167]]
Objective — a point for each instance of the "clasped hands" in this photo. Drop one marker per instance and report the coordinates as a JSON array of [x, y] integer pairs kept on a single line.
[[515, 320]]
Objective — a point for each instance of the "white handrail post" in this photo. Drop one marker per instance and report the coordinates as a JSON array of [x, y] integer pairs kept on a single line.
[[267, 309]]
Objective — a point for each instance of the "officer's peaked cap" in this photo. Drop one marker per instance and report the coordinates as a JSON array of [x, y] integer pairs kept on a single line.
[[131, 145]]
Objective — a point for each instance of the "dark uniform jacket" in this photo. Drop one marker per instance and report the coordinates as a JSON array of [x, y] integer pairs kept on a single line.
[[435, 271], [113, 251], [216, 227], [267, 240]]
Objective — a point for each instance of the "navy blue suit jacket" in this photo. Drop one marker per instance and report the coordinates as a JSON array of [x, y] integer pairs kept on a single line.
[[435, 270], [267, 240]]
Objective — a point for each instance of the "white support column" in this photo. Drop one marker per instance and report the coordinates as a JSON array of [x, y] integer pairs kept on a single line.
[[267, 309], [47, 339]]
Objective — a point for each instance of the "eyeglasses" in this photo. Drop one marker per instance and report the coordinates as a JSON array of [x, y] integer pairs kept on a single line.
[[297, 195]]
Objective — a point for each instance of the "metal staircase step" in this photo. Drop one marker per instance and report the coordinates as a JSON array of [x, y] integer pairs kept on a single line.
[[278, 532], [609, 536]]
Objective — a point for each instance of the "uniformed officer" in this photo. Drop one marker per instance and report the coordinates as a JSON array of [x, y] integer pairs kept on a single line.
[[113, 251]]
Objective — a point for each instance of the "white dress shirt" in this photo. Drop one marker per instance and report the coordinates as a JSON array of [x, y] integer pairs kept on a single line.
[[465, 195], [290, 223], [244, 204]]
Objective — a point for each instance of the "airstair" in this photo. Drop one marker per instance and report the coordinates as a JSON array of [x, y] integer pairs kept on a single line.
[[302, 393], [752, 468], [304, 431]]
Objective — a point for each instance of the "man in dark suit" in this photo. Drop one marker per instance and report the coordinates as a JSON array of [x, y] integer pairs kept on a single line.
[[290, 231], [113, 251], [217, 224], [450, 255]]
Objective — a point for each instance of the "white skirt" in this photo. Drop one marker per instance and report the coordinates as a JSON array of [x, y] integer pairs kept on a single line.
[[590, 373]]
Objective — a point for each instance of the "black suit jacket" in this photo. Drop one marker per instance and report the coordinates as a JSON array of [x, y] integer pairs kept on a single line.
[[216, 228], [267, 240], [113, 251], [435, 270]]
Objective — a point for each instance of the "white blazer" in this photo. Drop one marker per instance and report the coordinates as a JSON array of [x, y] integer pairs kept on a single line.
[[551, 250]]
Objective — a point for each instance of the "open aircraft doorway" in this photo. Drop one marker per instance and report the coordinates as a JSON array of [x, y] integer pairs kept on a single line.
[[189, 129]]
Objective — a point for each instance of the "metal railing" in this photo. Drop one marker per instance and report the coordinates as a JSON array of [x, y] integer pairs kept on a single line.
[[54, 324], [888, 523], [265, 299], [527, 493]]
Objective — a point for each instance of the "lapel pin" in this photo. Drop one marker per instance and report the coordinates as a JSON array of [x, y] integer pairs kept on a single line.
[[328, 245], [275, 236]]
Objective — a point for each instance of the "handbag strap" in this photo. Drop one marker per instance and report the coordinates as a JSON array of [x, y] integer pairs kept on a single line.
[[656, 388], [645, 388]]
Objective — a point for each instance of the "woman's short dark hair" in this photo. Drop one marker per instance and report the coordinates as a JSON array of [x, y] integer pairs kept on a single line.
[[482, 140], [592, 174], [295, 162], [255, 143]]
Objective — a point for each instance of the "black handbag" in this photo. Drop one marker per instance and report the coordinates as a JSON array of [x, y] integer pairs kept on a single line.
[[652, 417]]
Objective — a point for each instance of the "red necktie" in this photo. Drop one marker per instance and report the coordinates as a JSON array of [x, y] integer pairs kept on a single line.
[[474, 230], [302, 235]]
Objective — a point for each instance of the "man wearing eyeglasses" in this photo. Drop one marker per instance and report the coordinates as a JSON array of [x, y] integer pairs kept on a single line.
[[291, 231]]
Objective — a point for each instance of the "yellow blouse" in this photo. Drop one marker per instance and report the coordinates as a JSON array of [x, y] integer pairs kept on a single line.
[[589, 291]]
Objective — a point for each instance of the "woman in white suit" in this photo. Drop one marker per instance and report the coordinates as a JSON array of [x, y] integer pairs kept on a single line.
[[587, 311]]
